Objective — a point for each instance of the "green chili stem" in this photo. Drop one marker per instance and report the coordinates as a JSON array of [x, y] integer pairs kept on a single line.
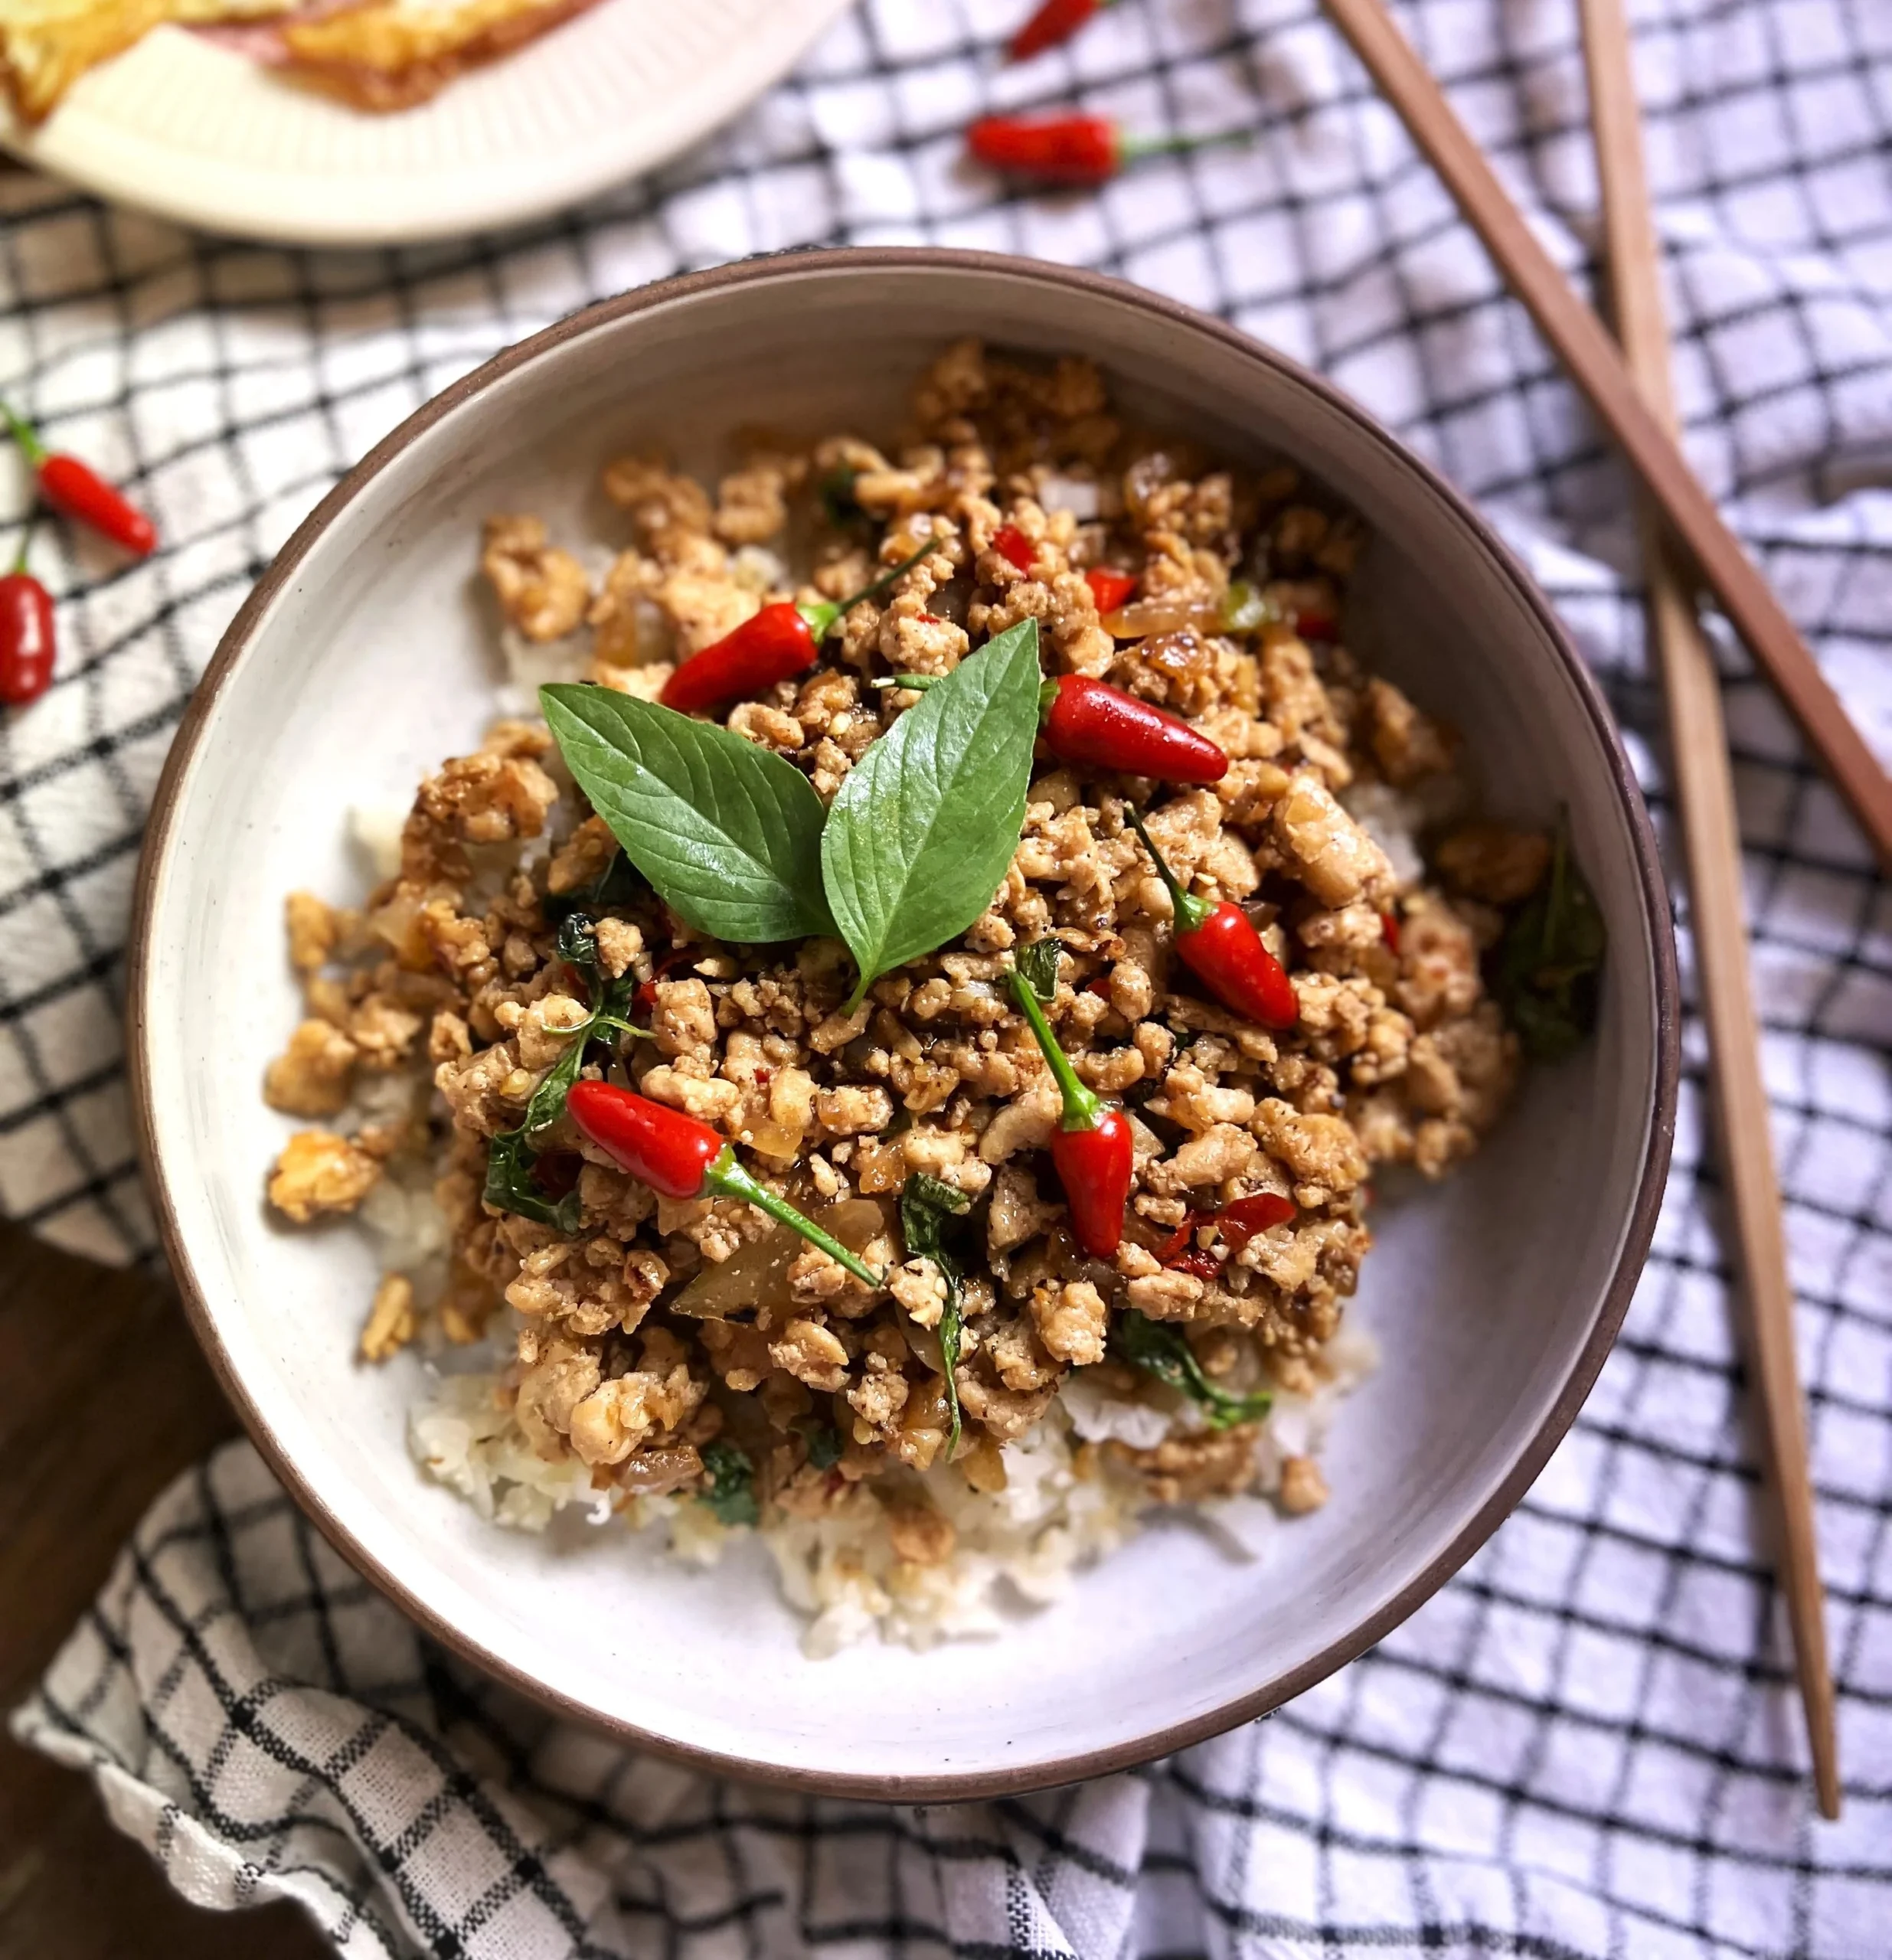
[[26, 538], [1083, 1108], [823, 618], [727, 1178], [25, 434], [1190, 911]]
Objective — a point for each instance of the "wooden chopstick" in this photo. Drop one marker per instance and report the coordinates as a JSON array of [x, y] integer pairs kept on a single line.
[[1597, 367], [1704, 794]]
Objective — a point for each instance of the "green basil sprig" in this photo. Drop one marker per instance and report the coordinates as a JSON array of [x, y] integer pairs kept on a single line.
[[510, 1156], [1162, 1351], [923, 830], [1037, 962], [728, 834], [928, 1206], [1550, 962], [730, 1493]]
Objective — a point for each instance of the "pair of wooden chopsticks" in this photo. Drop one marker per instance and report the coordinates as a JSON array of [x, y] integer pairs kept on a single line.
[[1633, 394]]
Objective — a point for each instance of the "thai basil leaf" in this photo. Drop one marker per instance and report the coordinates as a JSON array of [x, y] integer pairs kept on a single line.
[[1162, 1351], [923, 830], [728, 834], [731, 1492], [928, 1205], [509, 1185], [823, 1444], [1038, 963], [1550, 962]]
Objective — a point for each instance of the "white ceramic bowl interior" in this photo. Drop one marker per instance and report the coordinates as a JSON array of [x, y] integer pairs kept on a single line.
[[369, 654]]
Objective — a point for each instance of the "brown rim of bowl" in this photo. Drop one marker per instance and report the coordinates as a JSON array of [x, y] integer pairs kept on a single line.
[[923, 1788]]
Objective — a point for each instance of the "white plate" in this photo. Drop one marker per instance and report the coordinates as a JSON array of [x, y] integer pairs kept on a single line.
[[366, 654], [189, 130]]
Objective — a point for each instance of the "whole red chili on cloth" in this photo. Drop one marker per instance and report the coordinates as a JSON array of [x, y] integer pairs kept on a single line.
[[1072, 148], [77, 490], [1054, 21], [1099, 727], [776, 644], [1092, 1148], [28, 647], [1219, 944], [680, 1157]]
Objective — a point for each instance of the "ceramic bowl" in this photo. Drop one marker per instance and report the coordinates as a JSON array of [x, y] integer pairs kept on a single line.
[[365, 655]]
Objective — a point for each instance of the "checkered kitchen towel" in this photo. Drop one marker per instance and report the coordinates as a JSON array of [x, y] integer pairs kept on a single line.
[[1586, 1745]]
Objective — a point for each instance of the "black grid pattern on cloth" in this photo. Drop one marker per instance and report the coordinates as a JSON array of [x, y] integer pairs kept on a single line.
[[1586, 1744]]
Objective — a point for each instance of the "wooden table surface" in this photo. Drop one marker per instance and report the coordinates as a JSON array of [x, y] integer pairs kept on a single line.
[[103, 1398]]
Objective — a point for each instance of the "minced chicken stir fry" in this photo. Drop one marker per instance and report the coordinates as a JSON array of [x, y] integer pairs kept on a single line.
[[1159, 1193]]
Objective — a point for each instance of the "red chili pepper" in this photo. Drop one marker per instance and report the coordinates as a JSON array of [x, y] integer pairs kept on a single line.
[[1109, 587], [1099, 726], [1248, 1217], [1010, 542], [1055, 21], [75, 488], [776, 644], [1219, 943], [680, 1157], [27, 645], [1072, 150], [1092, 1147], [1389, 931], [1316, 626], [1173, 1247], [1094, 724]]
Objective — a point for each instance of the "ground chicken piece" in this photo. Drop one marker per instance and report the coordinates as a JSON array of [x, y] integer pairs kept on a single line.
[[1465, 1069], [319, 1171], [1024, 1123], [853, 1111], [877, 1398], [1493, 862], [1016, 1214], [587, 1287], [391, 1319], [1186, 1469], [1439, 962], [683, 1018], [1317, 1150], [551, 1387], [486, 799], [1071, 1322], [543, 1029], [812, 1354], [487, 1091], [767, 727], [919, 1532], [751, 506], [920, 1288], [1166, 1295], [383, 1032], [713, 1101], [1190, 1098], [582, 858], [1218, 1154], [620, 945], [619, 1416], [1303, 1488], [1406, 744], [541, 590], [1007, 1413], [313, 929], [312, 1076], [666, 511], [1331, 853], [1298, 702]]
